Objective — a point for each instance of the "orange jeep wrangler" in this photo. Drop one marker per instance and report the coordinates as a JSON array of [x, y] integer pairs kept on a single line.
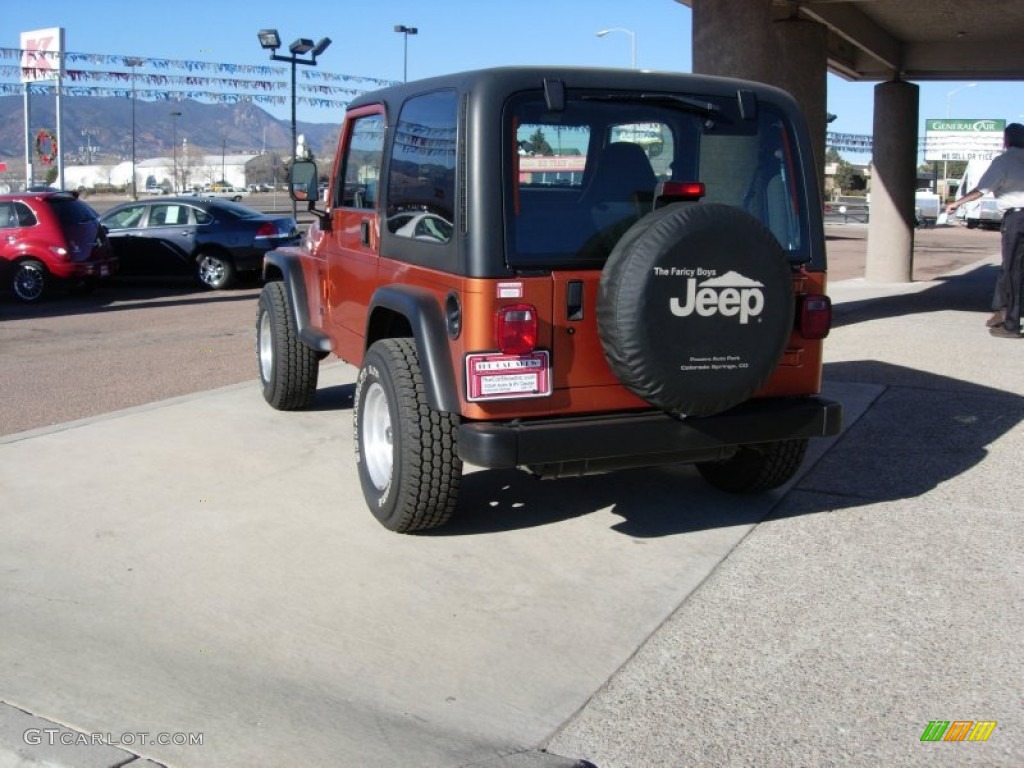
[[564, 269]]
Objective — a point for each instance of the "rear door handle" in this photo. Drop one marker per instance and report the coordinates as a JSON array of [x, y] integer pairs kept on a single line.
[[364, 231], [574, 300]]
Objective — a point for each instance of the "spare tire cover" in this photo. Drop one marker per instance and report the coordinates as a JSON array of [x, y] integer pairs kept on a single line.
[[695, 307]]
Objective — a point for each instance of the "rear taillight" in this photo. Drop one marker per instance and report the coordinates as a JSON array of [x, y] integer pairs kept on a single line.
[[815, 318], [266, 229], [515, 328]]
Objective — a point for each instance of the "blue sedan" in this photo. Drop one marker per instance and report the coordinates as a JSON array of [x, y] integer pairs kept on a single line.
[[214, 240]]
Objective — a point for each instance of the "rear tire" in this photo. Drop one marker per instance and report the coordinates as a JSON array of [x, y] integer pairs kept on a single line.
[[29, 280], [288, 368], [406, 453], [756, 468], [215, 271]]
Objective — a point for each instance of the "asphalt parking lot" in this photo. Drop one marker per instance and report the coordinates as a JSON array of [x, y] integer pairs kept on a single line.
[[205, 565], [140, 341]]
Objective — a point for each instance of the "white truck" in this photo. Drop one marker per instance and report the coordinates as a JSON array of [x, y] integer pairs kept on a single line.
[[984, 212]]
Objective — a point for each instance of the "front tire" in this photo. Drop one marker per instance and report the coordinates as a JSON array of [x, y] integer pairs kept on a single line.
[[215, 271], [756, 468], [409, 468], [29, 280], [288, 368]]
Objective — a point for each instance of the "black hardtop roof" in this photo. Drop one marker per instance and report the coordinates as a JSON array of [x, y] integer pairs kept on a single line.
[[498, 81]]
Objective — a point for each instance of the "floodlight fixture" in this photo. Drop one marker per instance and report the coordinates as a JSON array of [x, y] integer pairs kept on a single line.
[[321, 46], [269, 39], [302, 45]]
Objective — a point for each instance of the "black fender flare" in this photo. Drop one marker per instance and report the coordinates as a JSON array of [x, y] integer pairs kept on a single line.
[[286, 267], [426, 319]]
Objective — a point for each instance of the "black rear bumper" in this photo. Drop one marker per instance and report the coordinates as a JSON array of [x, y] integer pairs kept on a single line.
[[644, 439]]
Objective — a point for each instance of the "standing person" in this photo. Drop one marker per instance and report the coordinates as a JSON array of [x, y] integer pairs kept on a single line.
[[1005, 180]]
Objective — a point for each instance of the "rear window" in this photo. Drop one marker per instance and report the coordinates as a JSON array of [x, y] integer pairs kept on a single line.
[[229, 209], [583, 175], [70, 211]]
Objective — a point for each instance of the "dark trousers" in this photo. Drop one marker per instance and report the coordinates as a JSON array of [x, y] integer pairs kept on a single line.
[[1011, 275]]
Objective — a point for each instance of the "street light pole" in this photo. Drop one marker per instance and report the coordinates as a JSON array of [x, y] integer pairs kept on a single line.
[[174, 147], [405, 32], [632, 40], [945, 163], [133, 62], [270, 40]]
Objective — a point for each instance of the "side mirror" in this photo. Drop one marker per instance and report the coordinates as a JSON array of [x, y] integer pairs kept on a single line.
[[303, 185]]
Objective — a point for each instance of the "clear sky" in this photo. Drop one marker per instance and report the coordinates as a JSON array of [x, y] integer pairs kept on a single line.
[[452, 35]]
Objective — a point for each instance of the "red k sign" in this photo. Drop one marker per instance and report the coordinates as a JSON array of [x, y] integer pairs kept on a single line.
[[41, 54]]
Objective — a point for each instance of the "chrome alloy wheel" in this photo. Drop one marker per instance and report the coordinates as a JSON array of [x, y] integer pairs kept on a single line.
[[211, 271], [378, 444], [266, 348], [29, 281]]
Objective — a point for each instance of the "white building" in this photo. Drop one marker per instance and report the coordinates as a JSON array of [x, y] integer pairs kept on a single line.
[[193, 171]]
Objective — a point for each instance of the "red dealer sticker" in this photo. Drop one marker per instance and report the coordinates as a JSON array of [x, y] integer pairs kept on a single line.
[[493, 376]]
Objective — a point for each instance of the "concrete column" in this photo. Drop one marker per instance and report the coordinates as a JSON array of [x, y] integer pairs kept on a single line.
[[730, 38], [890, 247], [742, 38]]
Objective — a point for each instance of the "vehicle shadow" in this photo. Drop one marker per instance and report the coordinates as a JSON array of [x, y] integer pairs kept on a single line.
[[125, 294], [967, 292], [922, 431], [338, 397]]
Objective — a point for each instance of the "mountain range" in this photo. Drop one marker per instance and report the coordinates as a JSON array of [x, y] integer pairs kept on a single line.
[[99, 129]]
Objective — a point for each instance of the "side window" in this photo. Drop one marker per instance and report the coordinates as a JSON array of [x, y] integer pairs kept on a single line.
[[8, 219], [126, 218], [362, 163], [24, 215], [168, 215], [421, 175]]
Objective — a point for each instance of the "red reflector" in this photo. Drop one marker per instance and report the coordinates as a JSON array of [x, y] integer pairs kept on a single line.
[[515, 328], [815, 316], [690, 190]]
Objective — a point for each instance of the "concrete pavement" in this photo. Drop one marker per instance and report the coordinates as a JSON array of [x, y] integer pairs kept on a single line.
[[883, 592], [204, 568]]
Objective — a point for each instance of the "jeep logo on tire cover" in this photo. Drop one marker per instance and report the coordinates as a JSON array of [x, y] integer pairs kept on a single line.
[[695, 307], [728, 295]]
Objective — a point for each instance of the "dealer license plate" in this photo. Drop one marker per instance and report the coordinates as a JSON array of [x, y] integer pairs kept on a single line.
[[493, 376]]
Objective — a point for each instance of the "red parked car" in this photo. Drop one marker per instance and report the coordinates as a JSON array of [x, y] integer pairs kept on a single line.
[[46, 237]]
